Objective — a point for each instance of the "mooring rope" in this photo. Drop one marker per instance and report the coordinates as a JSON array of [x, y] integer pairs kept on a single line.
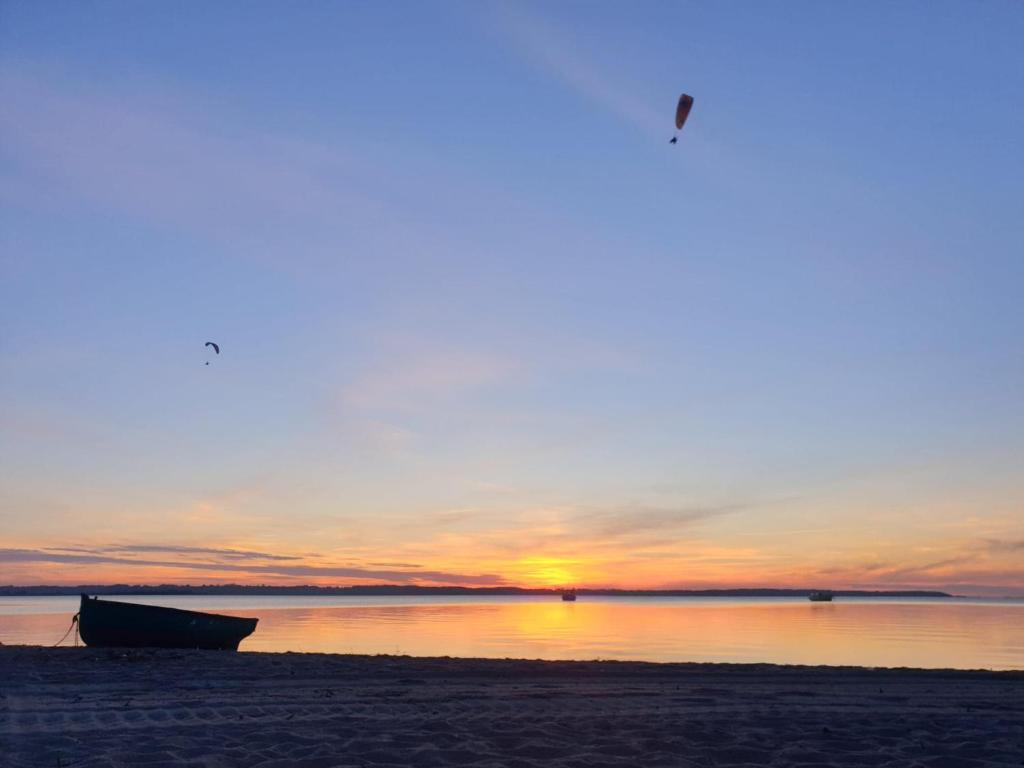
[[74, 626]]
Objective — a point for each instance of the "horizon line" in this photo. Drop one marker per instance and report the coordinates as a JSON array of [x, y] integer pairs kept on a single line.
[[170, 588]]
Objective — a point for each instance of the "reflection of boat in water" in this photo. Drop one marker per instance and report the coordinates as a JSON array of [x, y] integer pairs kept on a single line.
[[569, 595], [110, 623], [820, 596]]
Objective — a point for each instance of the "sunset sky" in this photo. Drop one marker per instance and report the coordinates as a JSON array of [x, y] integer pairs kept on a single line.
[[481, 324]]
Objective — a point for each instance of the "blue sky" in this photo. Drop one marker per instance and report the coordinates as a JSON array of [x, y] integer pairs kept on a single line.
[[476, 312]]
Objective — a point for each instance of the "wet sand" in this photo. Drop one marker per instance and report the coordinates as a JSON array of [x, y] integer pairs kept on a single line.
[[64, 707]]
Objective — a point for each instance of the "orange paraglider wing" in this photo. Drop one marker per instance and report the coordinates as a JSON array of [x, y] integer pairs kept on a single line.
[[683, 109]]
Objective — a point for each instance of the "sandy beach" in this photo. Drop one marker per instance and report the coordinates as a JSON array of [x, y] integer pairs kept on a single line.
[[163, 709]]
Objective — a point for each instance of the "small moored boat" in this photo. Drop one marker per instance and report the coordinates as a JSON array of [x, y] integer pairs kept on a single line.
[[569, 595], [820, 596], [110, 623]]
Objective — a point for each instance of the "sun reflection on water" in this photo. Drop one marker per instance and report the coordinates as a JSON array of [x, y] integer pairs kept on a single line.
[[871, 633]]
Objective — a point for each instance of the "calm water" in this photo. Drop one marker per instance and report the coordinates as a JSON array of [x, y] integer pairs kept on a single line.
[[880, 632]]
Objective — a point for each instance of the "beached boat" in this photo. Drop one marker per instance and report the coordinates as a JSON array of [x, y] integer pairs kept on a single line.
[[569, 595], [108, 623], [820, 596]]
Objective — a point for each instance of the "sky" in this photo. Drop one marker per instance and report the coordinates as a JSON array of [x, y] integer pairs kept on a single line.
[[481, 324]]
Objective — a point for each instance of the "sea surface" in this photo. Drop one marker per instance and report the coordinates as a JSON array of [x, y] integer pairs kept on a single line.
[[959, 633]]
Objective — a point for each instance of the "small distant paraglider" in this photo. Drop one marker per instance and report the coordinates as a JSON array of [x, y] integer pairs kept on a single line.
[[682, 112], [216, 348]]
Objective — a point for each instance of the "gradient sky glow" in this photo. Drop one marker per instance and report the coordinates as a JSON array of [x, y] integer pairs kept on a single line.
[[481, 324]]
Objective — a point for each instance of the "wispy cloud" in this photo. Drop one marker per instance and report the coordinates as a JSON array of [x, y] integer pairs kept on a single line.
[[395, 565], [1003, 545], [453, 516], [618, 532], [164, 159], [642, 519], [556, 53], [275, 569], [965, 564], [412, 379], [231, 554]]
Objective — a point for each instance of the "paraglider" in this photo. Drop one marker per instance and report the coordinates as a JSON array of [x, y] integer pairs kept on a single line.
[[216, 348], [682, 112]]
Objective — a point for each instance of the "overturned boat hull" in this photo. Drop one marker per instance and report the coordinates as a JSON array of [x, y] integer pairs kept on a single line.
[[109, 623]]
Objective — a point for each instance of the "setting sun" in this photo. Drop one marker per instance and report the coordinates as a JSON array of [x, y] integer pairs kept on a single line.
[[548, 571]]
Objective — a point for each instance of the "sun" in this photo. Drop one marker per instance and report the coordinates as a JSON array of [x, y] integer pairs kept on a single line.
[[548, 571]]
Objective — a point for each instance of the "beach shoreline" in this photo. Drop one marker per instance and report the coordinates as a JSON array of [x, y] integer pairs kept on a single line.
[[177, 709]]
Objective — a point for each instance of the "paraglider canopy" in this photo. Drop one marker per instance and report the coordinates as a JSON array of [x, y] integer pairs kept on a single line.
[[216, 348], [683, 110]]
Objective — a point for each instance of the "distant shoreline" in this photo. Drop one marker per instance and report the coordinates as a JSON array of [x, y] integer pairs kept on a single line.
[[410, 591]]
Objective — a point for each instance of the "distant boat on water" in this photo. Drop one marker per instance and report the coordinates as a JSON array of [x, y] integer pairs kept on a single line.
[[110, 623], [820, 596], [569, 595]]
